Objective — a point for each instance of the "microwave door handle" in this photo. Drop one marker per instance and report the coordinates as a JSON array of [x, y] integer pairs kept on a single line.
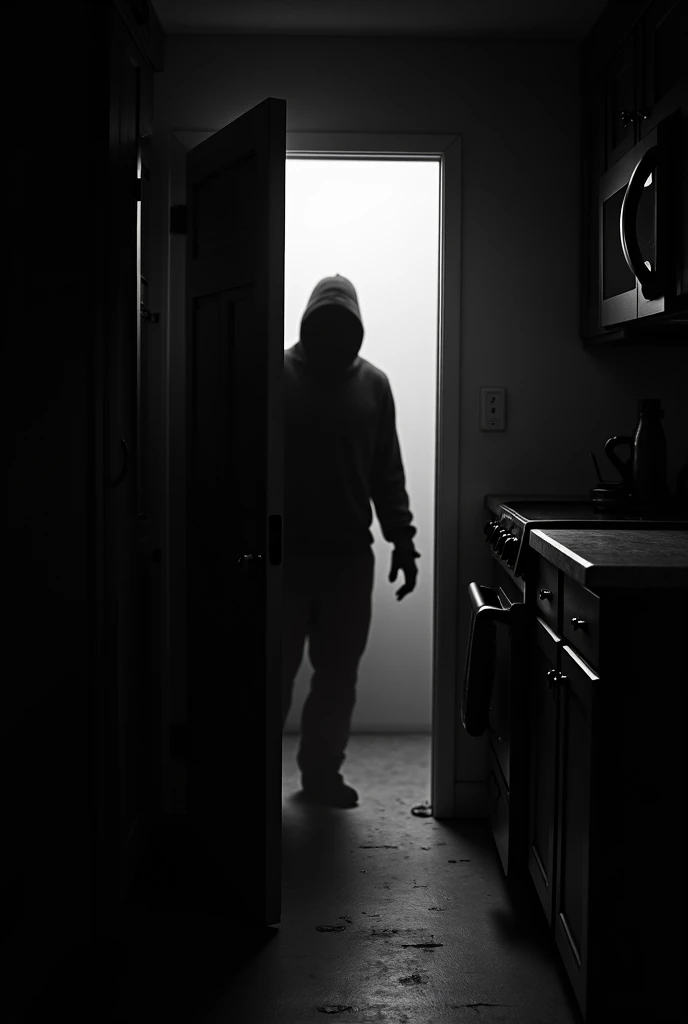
[[648, 279]]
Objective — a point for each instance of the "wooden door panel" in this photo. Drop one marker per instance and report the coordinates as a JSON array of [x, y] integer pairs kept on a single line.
[[235, 310]]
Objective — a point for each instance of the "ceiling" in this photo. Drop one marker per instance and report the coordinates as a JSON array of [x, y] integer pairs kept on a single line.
[[497, 19]]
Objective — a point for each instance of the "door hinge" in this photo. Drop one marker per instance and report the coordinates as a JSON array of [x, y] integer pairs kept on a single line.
[[178, 220]]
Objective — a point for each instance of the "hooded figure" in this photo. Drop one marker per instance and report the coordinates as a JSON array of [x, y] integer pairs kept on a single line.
[[341, 452], [341, 445], [331, 326]]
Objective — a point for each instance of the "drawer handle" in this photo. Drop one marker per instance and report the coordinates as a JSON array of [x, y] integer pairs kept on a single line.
[[578, 623], [545, 595]]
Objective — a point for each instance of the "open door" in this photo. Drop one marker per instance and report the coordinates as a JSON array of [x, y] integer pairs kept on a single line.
[[234, 335]]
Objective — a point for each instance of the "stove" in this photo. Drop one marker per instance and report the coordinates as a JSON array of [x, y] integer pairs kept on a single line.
[[497, 652], [513, 517]]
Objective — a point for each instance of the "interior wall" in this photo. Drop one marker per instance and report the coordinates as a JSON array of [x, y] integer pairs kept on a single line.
[[515, 106], [377, 223]]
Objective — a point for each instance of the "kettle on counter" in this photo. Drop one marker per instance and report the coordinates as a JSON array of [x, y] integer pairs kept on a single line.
[[644, 473]]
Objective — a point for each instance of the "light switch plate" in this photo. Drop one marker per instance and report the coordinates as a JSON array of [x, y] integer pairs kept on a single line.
[[493, 408]]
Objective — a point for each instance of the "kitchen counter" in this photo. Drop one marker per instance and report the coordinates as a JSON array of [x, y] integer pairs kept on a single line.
[[617, 558]]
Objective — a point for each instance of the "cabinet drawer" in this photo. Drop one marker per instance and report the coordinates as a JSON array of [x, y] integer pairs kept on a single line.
[[581, 621], [547, 591]]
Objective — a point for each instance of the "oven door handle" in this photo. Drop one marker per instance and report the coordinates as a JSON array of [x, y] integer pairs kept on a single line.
[[480, 598], [648, 278]]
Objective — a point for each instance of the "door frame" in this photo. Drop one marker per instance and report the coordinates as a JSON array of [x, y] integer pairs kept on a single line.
[[385, 145]]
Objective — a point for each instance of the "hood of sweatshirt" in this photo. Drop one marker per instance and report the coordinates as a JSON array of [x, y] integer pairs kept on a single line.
[[331, 327]]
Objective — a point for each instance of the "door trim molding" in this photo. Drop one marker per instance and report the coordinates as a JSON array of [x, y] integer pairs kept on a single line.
[[447, 799]]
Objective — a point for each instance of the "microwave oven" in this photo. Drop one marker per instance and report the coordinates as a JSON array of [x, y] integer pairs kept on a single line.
[[642, 239]]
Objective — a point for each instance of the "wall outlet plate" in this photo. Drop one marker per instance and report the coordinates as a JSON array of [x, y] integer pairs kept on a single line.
[[493, 408]]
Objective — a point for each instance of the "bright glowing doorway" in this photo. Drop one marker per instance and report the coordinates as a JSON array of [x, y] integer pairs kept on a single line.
[[377, 222]]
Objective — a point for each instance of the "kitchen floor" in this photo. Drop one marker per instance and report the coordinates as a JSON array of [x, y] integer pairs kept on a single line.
[[387, 917]]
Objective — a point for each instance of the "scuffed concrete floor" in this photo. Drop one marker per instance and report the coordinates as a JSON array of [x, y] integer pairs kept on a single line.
[[394, 881], [389, 880]]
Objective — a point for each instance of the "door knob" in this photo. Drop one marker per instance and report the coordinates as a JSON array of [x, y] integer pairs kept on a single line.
[[245, 562]]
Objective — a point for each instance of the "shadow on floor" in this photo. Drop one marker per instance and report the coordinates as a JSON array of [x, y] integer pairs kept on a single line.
[[167, 957]]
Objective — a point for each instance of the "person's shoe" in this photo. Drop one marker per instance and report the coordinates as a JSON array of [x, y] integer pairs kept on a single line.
[[329, 792]]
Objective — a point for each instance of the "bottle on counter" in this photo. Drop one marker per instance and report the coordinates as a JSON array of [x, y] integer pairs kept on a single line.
[[649, 473]]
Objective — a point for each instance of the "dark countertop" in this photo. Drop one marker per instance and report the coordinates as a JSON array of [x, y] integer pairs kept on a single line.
[[611, 558]]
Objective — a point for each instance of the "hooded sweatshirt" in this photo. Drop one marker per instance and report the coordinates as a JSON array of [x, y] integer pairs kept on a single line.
[[341, 447]]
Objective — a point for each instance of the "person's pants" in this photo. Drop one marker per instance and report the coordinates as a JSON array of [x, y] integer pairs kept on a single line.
[[328, 600]]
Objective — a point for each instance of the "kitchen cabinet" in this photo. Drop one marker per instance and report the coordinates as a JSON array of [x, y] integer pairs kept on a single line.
[[621, 95], [662, 45], [605, 714], [542, 747], [633, 77], [575, 684]]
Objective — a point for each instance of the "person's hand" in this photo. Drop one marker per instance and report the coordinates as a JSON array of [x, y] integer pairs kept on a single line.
[[406, 561]]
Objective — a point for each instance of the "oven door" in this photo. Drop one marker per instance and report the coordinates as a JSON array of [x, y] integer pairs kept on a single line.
[[495, 618]]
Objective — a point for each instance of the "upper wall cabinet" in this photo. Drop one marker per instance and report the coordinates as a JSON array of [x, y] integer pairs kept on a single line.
[[622, 101], [144, 25], [662, 57], [634, 113]]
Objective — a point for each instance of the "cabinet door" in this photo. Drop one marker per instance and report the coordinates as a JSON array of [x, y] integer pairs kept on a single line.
[[593, 166], [663, 58], [543, 763], [575, 687], [621, 101]]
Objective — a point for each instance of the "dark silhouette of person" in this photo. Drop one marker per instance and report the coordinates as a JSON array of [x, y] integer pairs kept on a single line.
[[341, 451]]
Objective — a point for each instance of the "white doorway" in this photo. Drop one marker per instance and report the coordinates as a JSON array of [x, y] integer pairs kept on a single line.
[[377, 222]]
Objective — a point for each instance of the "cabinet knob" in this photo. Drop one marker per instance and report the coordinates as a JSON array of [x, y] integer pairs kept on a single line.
[[545, 595], [627, 117], [562, 677], [642, 115], [551, 676], [578, 623]]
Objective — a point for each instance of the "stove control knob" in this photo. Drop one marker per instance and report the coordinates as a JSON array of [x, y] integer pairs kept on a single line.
[[495, 537], [511, 550], [490, 528], [503, 542]]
